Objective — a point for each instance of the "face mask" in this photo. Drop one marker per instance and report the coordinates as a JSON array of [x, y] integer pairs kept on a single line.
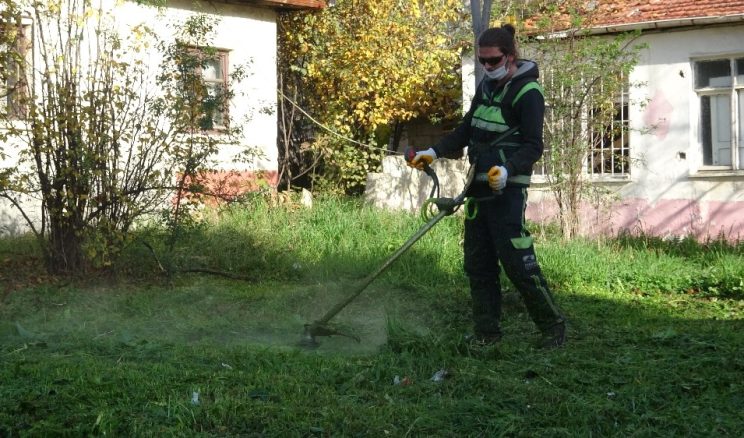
[[497, 74]]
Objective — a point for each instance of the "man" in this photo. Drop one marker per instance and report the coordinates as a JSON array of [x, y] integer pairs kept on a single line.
[[503, 131]]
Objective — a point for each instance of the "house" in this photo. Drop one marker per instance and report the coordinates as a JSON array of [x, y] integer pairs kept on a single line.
[[686, 173], [686, 140], [246, 34]]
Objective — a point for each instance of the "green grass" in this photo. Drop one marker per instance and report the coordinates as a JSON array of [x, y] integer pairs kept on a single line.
[[655, 337]]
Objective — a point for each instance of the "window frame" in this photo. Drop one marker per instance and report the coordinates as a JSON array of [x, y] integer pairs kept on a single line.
[[733, 91], [623, 108], [605, 145], [222, 55], [15, 104]]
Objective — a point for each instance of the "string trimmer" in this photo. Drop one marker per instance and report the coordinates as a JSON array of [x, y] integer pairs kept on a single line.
[[444, 207]]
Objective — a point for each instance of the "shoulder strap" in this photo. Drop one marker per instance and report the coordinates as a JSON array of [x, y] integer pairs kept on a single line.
[[514, 93], [531, 85], [480, 92]]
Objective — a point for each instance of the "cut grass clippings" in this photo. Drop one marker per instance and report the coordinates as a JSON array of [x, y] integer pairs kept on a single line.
[[655, 338]]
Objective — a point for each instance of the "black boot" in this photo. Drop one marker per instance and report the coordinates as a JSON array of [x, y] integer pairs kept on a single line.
[[486, 297]]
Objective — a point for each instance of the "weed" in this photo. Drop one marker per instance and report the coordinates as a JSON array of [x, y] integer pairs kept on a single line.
[[654, 340]]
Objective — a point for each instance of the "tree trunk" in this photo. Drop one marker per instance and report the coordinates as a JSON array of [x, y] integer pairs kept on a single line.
[[395, 134], [64, 254], [481, 13]]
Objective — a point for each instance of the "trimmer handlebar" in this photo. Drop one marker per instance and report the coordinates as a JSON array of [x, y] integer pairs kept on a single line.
[[409, 154]]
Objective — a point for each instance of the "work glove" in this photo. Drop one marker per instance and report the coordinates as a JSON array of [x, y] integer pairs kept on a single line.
[[421, 159], [497, 176]]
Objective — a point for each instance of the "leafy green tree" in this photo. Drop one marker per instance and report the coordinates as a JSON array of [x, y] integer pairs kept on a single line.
[[583, 77], [365, 66], [102, 135]]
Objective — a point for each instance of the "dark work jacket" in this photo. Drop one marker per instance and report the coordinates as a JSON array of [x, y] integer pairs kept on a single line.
[[519, 102]]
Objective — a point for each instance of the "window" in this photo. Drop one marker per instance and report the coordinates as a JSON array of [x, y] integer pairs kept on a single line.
[[719, 84], [14, 62], [214, 73], [610, 148], [211, 97]]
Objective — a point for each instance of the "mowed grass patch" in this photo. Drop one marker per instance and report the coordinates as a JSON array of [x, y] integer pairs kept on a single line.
[[201, 355]]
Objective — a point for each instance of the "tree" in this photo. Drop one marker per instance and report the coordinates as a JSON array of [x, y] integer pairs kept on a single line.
[[480, 12], [583, 76], [364, 67], [103, 135]]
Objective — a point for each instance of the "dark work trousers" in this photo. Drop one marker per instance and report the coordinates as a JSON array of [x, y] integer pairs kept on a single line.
[[498, 239]]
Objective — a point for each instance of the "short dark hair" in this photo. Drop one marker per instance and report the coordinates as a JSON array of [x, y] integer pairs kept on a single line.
[[500, 37]]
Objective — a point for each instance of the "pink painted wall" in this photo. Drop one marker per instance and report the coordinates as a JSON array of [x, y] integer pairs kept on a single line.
[[669, 217]]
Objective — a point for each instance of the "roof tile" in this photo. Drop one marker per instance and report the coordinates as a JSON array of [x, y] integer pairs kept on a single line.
[[624, 12]]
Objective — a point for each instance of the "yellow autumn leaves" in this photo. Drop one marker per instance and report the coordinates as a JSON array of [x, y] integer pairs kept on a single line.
[[372, 62]]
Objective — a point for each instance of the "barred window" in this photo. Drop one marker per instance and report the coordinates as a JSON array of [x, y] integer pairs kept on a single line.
[[610, 147]]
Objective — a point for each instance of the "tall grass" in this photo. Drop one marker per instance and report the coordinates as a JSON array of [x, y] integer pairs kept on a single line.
[[343, 238], [655, 336], [336, 238]]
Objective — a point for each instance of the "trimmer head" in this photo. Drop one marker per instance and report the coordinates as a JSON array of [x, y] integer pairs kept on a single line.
[[315, 329], [308, 338]]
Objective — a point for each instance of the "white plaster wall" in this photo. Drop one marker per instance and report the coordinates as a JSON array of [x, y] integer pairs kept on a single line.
[[671, 112], [249, 33], [468, 80], [668, 193], [664, 114]]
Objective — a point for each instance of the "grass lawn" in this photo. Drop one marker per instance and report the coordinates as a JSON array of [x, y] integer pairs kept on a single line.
[[655, 338]]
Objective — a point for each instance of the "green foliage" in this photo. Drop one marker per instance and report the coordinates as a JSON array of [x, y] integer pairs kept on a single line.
[[583, 77], [720, 273], [355, 78], [80, 357], [104, 133], [345, 238], [198, 110], [345, 165], [159, 3]]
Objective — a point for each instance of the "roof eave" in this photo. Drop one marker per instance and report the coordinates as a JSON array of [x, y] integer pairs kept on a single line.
[[284, 4], [665, 24]]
